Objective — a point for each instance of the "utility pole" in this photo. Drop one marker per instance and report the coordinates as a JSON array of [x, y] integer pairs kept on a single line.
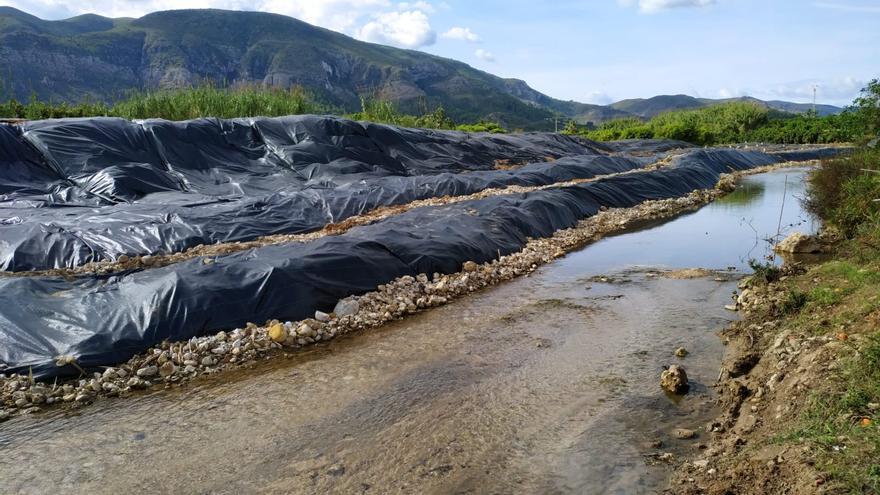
[[814, 99]]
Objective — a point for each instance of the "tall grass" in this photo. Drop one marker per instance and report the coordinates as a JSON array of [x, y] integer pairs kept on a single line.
[[210, 101], [238, 101]]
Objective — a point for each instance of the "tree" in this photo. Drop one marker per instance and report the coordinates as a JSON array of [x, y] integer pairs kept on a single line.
[[867, 109]]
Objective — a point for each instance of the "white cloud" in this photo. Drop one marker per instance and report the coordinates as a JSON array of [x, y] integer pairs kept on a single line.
[[462, 34], [653, 6], [485, 55], [408, 29], [420, 5], [338, 15], [731, 93], [849, 7], [404, 24], [840, 90], [598, 98]]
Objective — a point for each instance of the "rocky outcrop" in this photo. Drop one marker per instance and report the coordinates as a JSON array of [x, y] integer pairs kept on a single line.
[[798, 243]]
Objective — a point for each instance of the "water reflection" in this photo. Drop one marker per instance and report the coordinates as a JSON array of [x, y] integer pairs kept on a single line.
[[724, 234]]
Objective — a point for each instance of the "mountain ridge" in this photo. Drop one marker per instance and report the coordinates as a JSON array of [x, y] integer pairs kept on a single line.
[[91, 57]]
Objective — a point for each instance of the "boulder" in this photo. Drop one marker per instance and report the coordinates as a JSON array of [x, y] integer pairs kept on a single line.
[[798, 243], [674, 380]]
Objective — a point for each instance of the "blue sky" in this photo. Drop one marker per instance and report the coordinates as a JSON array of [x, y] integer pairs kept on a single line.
[[602, 50]]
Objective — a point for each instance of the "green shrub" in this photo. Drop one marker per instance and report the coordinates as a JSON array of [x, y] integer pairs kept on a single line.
[[482, 126], [793, 302], [843, 190], [764, 272], [732, 122]]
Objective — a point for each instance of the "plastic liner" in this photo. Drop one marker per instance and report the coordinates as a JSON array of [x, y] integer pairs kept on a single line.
[[95, 189], [79, 190], [104, 320]]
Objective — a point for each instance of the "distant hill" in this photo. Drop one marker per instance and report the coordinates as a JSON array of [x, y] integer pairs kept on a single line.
[[90, 57], [650, 107]]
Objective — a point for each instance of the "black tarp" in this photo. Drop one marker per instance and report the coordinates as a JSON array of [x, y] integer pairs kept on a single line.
[[105, 319], [161, 187]]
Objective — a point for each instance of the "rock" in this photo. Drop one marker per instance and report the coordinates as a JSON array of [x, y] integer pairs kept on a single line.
[[322, 316], [701, 464], [148, 260], [681, 352], [167, 369], [305, 330], [798, 243], [3, 415], [277, 333], [123, 258], [744, 364], [346, 307], [726, 183], [684, 433], [469, 266], [674, 380], [730, 307], [208, 361], [147, 371]]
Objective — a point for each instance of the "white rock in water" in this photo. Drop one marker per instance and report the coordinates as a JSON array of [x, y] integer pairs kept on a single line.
[[346, 307], [798, 243], [322, 316]]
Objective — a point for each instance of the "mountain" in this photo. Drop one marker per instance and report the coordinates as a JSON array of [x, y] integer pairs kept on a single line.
[[95, 58], [650, 107]]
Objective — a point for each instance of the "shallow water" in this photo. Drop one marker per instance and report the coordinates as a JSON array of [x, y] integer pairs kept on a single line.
[[547, 384]]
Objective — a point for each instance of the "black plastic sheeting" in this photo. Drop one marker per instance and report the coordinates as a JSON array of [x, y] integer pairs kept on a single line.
[[81, 190], [103, 320]]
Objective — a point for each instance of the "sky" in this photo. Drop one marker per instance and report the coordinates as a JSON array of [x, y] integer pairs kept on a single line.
[[598, 51]]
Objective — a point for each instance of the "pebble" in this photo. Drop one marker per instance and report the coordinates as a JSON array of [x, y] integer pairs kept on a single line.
[[469, 266], [346, 307], [147, 371], [681, 352], [322, 316], [684, 433], [277, 333], [167, 369]]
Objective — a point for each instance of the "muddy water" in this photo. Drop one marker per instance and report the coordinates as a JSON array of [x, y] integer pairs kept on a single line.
[[547, 384]]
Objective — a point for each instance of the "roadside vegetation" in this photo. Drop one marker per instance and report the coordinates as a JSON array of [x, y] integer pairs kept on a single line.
[[727, 123], [735, 122], [239, 101], [842, 298]]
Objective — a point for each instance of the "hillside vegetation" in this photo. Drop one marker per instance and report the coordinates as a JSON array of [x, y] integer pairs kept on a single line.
[[733, 122]]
